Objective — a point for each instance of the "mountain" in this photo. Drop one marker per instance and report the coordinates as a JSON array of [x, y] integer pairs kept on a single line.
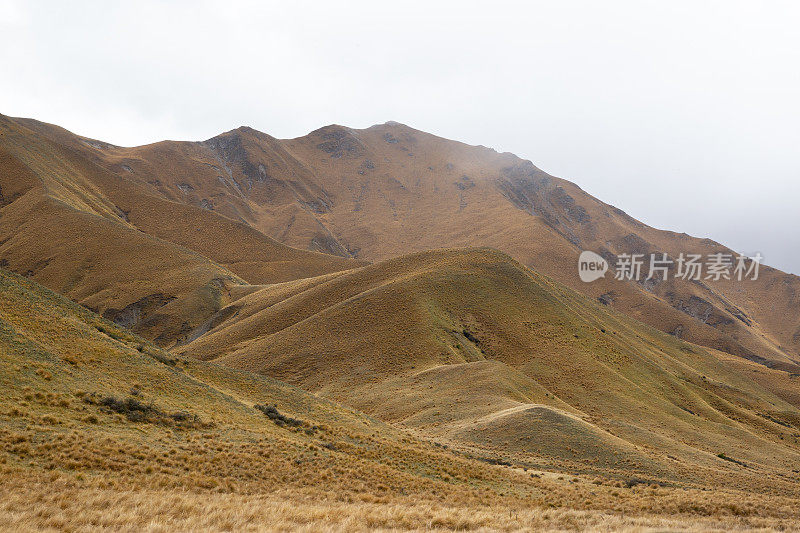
[[471, 346], [390, 190], [157, 266], [326, 341], [100, 427]]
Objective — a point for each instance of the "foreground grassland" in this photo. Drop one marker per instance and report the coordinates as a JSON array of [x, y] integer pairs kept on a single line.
[[100, 429], [67, 505]]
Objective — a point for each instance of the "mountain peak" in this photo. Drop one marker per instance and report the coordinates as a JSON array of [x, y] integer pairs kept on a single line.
[[392, 125], [242, 132], [332, 130]]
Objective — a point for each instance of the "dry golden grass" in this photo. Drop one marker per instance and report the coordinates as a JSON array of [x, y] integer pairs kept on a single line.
[[67, 506], [71, 462], [390, 190], [473, 348]]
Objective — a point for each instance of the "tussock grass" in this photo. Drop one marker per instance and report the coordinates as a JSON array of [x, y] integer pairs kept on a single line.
[[76, 453], [77, 508]]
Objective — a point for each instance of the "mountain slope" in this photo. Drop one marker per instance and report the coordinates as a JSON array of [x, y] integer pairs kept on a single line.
[[102, 430], [389, 190], [87, 407], [473, 347], [160, 267]]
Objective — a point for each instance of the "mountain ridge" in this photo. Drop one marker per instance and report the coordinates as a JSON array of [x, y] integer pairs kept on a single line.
[[471, 346], [462, 322], [390, 189], [116, 247]]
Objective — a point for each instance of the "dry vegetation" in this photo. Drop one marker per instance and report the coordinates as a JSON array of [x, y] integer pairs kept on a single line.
[[181, 446], [473, 348], [81, 507], [450, 389]]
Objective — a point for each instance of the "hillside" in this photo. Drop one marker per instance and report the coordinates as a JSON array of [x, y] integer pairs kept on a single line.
[[406, 375], [159, 267], [103, 430], [390, 190], [88, 407], [473, 348]]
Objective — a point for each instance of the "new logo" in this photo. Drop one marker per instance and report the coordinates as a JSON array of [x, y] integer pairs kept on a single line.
[[591, 266]]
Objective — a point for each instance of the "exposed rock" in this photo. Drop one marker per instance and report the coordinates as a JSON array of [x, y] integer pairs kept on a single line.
[[262, 172], [358, 200], [230, 150], [338, 141], [633, 244], [134, 314], [396, 183], [560, 198], [465, 183], [606, 298], [699, 309], [317, 205], [324, 242]]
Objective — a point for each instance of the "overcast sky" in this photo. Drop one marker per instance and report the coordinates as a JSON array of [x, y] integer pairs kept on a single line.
[[684, 114]]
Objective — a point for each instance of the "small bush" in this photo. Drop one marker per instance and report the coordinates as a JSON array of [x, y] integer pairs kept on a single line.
[[272, 412], [132, 408], [183, 416], [494, 461], [169, 361], [16, 412], [632, 482], [137, 411], [730, 459], [469, 336]]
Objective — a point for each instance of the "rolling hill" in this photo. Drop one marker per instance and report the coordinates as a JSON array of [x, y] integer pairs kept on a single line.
[[472, 347], [325, 332], [390, 190], [156, 266], [89, 411], [103, 430]]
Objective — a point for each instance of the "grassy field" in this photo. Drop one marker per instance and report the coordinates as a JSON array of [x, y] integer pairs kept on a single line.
[[102, 430], [72, 508], [281, 388], [470, 347], [198, 211]]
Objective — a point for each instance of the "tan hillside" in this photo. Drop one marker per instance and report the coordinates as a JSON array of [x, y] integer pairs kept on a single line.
[[160, 267], [481, 394], [102, 430], [389, 190], [472, 347]]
